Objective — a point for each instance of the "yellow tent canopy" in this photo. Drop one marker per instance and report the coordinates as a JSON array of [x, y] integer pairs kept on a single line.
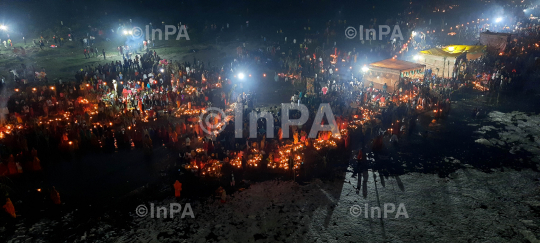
[[455, 50]]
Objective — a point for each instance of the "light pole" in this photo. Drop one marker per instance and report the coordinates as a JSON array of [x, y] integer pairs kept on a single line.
[[3, 28], [365, 69]]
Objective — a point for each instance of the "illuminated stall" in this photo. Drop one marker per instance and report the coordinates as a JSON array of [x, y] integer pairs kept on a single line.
[[389, 72], [442, 61]]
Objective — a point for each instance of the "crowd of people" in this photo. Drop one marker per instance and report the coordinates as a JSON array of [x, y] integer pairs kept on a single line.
[[142, 100]]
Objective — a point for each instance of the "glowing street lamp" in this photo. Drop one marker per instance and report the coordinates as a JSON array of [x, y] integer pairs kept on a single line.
[[499, 19], [241, 76], [365, 69], [3, 27]]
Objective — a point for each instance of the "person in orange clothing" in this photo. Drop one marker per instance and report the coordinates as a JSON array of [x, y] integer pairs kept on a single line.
[[174, 137], [9, 208], [223, 195], [34, 152], [19, 168], [36, 164], [359, 156], [178, 129], [263, 142], [55, 196], [141, 108], [177, 188], [12, 166]]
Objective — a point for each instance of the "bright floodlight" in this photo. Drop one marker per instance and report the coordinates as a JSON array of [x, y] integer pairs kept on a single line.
[[125, 32], [416, 57], [3, 27], [365, 69], [241, 76], [162, 70], [499, 19], [414, 33], [130, 32]]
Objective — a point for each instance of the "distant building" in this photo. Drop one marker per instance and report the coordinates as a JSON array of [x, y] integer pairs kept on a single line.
[[497, 41]]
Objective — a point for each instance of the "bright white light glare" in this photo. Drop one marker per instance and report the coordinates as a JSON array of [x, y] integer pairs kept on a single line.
[[524, 10], [414, 33], [365, 69], [3, 27], [125, 32], [131, 32], [416, 57], [241, 76], [162, 70], [451, 48], [499, 19]]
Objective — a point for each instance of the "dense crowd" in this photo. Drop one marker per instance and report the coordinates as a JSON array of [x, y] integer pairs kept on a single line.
[[142, 100]]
